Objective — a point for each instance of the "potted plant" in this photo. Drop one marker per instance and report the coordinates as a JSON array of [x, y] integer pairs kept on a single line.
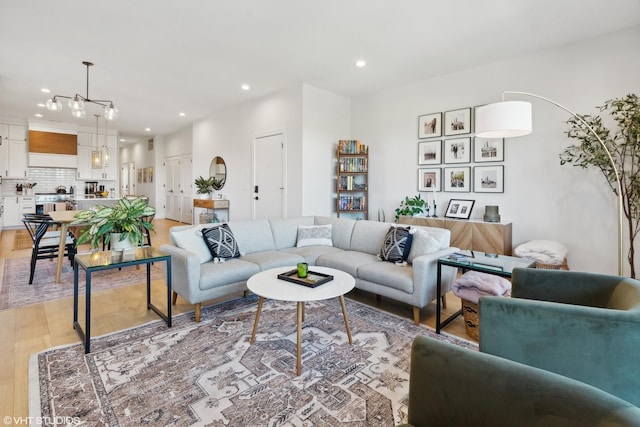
[[412, 206], [216, 183], [204, 186], [120, 224]]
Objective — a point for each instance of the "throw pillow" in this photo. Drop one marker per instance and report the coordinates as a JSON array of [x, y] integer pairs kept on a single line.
[[221, 242], [190, 239], [397, 244], [314, 235], [423, 243]]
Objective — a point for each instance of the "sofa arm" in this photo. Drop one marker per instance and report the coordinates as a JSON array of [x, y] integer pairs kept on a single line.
[[185, 271], [425, 271], [593, 345], [569, 287]]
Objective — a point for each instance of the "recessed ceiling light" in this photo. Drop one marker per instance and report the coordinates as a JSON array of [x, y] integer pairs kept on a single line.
[[41, 105], [147, 129], [38, 115], [182, 114], [123, 140], [45, 90], [245, 87], [360, 63]]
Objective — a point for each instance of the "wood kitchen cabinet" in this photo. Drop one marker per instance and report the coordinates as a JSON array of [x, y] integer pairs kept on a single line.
[[477, 235]]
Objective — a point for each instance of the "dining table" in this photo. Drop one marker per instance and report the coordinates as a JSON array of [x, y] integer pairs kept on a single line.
[[64, 218]]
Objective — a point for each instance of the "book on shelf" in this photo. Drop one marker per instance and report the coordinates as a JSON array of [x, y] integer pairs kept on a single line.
[[352, 146], [353, 203], [354, 164]]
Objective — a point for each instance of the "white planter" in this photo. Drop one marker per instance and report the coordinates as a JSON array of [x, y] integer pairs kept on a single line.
[[205, 196], [117, 245]]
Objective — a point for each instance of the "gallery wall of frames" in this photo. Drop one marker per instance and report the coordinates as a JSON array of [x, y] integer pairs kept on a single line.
[[451, 158]]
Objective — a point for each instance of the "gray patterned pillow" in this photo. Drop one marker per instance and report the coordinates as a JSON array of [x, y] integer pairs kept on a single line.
[[314, 235], [397, 244], [221, 242]]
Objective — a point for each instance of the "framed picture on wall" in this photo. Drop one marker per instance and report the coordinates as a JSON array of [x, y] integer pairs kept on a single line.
[[430, 125], [488, 150], [150, 174], [429, 179], [457, 150], [145, 173], [459, 208], [430, 152], [457, 122], [488, 179], [139, 175], [457, 179]]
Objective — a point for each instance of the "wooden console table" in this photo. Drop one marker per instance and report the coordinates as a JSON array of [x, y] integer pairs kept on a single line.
[[476, 235], [210, 205]]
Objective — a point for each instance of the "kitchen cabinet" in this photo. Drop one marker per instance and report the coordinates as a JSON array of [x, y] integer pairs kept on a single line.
[[13, 151], [89, 142], [15, 207]]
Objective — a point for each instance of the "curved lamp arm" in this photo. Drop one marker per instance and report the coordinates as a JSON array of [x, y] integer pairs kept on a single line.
[[500, 127]]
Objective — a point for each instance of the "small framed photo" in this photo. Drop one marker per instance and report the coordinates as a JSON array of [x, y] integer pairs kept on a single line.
[[139, 175], [145, 174], [457, 122], [430, 152], [488, 179], [457, 150], [460, 209], [488, 150], [429, 179], [457, 179], [430, 125], [150, 174]]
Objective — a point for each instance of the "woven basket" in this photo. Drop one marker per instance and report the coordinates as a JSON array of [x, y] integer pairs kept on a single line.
[[563, 266], [471, 319]]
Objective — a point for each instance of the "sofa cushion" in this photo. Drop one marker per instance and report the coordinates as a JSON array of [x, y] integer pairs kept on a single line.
[[311, 253], [424, 242], [285, 230], [396, 244], [342, 229], [314, 235], [233, 270], [387, 274], [347, 261], [221, 242], [190, 239], [253, 236], [368, 236], [272, 259]]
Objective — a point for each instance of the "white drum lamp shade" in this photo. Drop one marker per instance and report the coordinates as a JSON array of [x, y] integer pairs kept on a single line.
[[505, 119]]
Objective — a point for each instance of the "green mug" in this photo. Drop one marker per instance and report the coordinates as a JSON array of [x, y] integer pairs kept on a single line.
[[303, 269]]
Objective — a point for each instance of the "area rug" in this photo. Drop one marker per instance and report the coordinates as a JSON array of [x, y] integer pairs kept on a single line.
[[207, 374], [22, 240], [16, 291]]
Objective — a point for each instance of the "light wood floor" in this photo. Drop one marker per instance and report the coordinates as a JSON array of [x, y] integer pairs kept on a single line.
[[31, 329]]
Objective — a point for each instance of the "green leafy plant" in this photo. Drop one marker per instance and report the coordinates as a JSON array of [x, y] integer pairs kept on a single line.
[[624, 146], [204, 184], [126, 216], [412, 206], [217, 184]]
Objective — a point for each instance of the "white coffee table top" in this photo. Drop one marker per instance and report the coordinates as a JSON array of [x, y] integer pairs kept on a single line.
[[266, 284]]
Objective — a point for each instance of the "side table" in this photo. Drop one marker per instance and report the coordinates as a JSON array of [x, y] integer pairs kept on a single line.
[[500, 265], [105, 260]]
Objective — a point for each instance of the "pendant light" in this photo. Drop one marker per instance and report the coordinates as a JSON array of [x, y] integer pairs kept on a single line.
[[96, 155], [105, 147]]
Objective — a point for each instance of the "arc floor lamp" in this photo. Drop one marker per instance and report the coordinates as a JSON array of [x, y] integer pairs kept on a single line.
[[509, 119]]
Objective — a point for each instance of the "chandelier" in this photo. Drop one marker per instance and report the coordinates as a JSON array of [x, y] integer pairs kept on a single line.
[[76, 103]]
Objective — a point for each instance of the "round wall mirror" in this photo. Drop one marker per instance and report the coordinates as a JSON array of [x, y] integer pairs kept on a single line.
[[218, 170]]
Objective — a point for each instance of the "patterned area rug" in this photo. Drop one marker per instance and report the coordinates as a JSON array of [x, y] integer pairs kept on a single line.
[[208, 374], [15, 290]]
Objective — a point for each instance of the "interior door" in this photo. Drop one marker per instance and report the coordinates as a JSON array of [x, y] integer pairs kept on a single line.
[[172, 190], [127, 177], [269, 176]]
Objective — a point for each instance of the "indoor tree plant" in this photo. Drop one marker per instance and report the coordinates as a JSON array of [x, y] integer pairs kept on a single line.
[[412, 206], [624, 146], [125, 217]]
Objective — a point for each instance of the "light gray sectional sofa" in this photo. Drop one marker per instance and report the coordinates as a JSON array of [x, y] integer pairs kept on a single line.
[[264, 244]]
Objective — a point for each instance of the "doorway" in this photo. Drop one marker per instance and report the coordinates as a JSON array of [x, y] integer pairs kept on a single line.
[[269, 175], [127, 178]]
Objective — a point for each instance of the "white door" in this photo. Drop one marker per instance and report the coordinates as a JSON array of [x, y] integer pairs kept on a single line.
[[269, 176], [125, 175], [173, 188], [186, 189]]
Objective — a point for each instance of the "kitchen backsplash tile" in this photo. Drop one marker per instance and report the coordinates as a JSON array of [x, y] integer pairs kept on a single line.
[[48, 180]]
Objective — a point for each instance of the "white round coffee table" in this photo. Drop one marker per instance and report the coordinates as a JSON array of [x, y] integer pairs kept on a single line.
[[267, 285]]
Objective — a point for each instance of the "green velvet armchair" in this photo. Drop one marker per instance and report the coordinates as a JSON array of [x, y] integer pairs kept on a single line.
[[451, 386], [584, 326]]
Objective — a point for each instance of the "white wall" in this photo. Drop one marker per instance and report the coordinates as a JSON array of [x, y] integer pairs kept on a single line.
[[326, 119], [230, 134], [543, 199]]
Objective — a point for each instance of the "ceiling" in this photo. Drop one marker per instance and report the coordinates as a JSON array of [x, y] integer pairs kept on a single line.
[[157, 58]]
